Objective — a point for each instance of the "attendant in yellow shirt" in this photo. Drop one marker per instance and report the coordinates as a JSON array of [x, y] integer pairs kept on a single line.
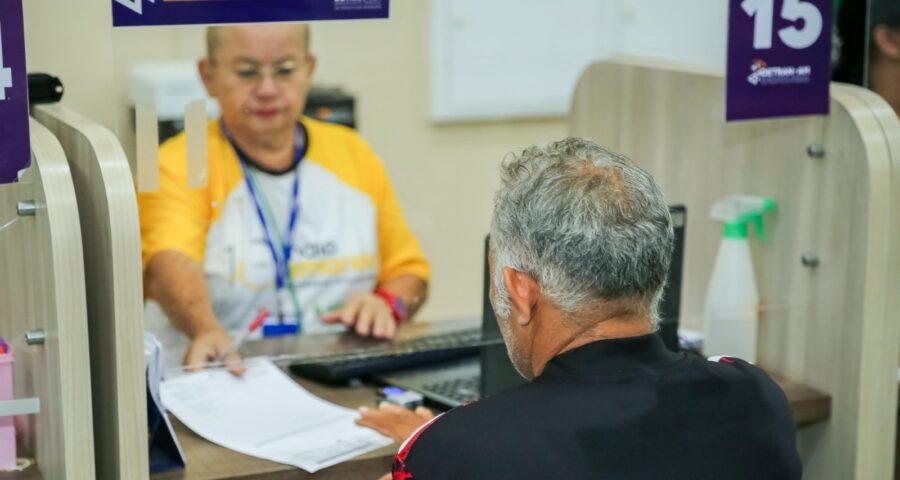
[[299, 217]]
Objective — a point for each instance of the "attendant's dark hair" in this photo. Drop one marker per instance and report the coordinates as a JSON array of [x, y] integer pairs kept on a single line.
[[854, 31], [851, 29]]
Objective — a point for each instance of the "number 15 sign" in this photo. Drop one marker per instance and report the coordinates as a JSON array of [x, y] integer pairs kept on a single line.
[[779, 58], [15, 150]]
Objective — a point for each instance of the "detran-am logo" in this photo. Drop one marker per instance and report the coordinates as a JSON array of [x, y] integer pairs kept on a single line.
[[763, 74]]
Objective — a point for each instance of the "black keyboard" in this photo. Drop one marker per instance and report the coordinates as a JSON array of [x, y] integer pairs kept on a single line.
[[462, 390], [390, 356]]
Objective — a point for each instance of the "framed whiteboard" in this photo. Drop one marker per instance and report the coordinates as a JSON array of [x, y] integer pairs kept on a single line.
[[503, 59], [506, 59]]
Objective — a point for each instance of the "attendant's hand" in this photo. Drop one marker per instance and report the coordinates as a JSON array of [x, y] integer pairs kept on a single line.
[[367, 313], [394, 421], [206, 347]]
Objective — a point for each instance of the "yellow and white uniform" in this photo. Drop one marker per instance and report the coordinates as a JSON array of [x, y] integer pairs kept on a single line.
[[350, 233]]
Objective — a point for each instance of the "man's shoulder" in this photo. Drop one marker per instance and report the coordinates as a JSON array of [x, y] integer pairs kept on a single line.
[[482, 419], [748, 385], [456, 444], [565, 422], [344, 153], [489, 409], [174, 146], [734, 368], [320, 131]]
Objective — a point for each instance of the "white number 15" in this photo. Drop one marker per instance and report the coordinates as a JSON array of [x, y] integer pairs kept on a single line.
[[792, 10]]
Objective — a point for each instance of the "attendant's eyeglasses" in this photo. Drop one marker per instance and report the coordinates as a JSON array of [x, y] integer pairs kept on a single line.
[[287, 71]]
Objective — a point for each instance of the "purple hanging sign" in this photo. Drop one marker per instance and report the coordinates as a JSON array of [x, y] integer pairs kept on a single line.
[[779, 58], [133, 13], [15, 147]]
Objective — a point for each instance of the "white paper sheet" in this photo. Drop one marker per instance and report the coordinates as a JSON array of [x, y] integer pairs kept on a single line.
[[266, 414]]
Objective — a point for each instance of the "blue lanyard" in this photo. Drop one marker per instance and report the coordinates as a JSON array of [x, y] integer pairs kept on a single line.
[[282, 262]]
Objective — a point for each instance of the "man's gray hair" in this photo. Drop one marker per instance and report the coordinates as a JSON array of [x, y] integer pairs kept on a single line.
[[587, 224]]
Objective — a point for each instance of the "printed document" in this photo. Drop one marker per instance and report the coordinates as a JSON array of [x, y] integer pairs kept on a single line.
[[266, 414]]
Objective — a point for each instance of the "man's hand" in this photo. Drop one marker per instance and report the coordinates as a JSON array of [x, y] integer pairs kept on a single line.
[[177, 282], [208, 346], [394, 421], [367, 313]]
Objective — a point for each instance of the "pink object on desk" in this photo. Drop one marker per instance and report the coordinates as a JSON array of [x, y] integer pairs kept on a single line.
[[7, 428]]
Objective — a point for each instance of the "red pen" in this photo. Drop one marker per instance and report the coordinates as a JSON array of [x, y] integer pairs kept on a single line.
[[257, 322]]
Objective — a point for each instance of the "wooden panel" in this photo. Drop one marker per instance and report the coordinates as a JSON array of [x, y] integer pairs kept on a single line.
[[829, 327], [195, 125], [42, 271], [808, 405], [890, 125], [111, 238], [30, 473], [146, 133], [877, 392]]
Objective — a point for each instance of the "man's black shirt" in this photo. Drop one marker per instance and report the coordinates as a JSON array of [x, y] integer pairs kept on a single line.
[[616, 409]]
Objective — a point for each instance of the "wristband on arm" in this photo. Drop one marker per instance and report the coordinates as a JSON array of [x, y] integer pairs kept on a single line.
[[398, 306]]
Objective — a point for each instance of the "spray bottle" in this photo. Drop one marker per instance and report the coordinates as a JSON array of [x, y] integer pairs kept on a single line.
[[732, 301]]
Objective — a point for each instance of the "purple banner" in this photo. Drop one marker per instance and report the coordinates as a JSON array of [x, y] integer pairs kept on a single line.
[[133, 13], [779, 58], [15, 147]]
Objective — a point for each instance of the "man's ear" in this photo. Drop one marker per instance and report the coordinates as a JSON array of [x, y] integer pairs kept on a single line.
[[887, 41], [524, 292], [205, 67]]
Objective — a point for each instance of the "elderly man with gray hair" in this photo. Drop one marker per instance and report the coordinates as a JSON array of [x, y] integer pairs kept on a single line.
[[581, 242]]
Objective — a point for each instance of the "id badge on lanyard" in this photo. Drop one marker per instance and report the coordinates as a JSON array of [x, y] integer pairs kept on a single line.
[[287, 318], [283, 320]]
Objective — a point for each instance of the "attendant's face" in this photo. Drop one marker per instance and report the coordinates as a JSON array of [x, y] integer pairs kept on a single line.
[[260, 75], [886, 40], [505, 311], [885, 64]]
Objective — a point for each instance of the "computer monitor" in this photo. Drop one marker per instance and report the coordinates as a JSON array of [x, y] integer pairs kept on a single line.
[[670, 305], [497, 372]]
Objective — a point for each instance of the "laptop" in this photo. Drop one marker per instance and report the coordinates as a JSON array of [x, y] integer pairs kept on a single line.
[[452, 383]]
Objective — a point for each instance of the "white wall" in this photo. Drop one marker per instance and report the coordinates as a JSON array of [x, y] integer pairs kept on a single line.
[[685, 31], [73, 40]]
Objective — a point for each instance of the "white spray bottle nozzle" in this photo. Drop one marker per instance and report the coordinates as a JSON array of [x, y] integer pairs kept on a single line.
[[737, 211]]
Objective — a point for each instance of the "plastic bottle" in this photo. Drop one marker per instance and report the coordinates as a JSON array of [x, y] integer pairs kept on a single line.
[[732, 301]]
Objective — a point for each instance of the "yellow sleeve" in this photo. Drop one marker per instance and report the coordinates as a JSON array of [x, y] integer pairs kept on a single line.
[[397, 246], [174, 217]]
